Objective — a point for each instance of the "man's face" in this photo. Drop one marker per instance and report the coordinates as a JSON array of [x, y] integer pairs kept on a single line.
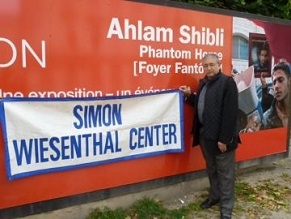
[[211, 67], [281, 85], [263, 57]]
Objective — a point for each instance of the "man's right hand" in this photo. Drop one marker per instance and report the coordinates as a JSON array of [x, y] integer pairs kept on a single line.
[[186, 90]]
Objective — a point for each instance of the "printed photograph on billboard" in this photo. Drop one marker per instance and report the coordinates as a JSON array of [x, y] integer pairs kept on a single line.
[[259, 55], [262, 78]]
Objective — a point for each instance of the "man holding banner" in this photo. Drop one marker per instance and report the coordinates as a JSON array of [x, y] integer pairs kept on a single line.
[[214, 128]]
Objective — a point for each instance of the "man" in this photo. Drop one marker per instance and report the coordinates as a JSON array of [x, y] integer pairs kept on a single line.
[[277, 115], [262, 63], [214, 128]]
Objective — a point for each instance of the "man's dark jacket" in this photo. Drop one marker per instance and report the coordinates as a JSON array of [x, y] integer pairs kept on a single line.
[[220, 112]]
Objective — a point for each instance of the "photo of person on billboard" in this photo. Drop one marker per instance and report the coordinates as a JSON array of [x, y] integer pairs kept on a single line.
[[253, 116], [277, 115], [263, 62], [260, 55]]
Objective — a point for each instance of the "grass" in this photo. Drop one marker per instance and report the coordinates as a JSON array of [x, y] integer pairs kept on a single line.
[[146, 208], [252, 201]]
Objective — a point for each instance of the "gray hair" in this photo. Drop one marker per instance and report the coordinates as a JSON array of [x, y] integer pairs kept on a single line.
[[213, 56]]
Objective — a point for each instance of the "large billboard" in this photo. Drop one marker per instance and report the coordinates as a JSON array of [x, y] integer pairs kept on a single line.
[[110, 49]]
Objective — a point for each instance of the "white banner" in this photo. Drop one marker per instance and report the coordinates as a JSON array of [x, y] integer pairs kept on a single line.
[[47, 135]]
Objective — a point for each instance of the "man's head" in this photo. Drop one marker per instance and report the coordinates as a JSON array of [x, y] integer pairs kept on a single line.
[[211, 65], [263, 55], [281, 81]]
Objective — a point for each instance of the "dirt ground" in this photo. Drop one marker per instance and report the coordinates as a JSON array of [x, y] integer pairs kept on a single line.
[[277, 172]]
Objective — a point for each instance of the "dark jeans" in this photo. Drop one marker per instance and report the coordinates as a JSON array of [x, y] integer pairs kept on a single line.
[[221, 175]]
